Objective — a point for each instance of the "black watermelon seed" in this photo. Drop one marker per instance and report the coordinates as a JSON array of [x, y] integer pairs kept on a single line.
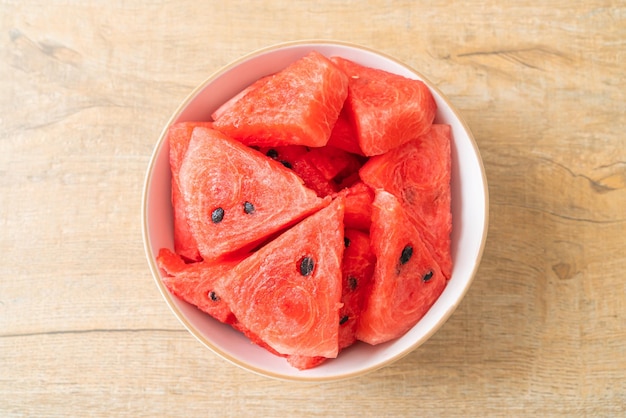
[[427, 276], [272, 153], [352, 282], [286, 164], [213, 296], [406, 255], [306, 266], [346, 241], [344, 319], [248, 207], [217, 215]]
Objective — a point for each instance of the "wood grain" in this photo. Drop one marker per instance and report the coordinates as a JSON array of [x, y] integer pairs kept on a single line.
[[86, 89]]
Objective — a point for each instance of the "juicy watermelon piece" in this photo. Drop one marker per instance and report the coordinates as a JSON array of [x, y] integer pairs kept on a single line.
[[195, 283], [357, 269], [331, 161], [406, 280], [387, 109], [418, 174], [343, 135], [358, 213], [296, 157], [235, 197], [313, 178], [288, 293], [322, 169], [178, 137], [298, 105]]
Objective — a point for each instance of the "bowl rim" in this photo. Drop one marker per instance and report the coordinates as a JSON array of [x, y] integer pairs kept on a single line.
[[169, 298]]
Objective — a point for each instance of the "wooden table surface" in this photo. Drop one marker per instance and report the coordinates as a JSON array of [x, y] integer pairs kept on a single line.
[[86, 88]]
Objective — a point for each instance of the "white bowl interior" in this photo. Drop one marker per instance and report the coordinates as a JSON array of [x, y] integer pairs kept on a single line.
[[469, 217]]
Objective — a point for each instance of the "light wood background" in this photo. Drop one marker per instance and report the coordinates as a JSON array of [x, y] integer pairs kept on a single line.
[[85, 89]]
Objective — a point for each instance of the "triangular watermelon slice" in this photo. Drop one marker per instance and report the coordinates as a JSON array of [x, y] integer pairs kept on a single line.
[[298, 105], [235, 197], [418, 174], [357, 268], [178, 137], [387, 110], [406, 281], [288, 293]]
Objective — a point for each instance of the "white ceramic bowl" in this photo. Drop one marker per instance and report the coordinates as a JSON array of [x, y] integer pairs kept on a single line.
[[469, 218]]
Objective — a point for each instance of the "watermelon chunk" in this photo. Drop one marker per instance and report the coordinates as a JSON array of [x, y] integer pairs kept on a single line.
[[387, 109], [298, 105], [235, 197], [343, 135], [195, 283], [418, 174], [296, 158], [333, 162], [178, 137], [358, 213], [313, 178], [406, 279], [288, 293], [322, 169], [357, 269]]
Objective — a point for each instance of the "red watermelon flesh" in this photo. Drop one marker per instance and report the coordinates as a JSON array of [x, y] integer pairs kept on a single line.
[[358, 213], [333, 162], [296, 158], [288, 293], [322, 169], [343, 135], [195, 283], [357, 269], [313, 178], [418, 174], [178, 137], [235, 197], [406, 280], [349, 181], [230, 103], [387, 109], [298, 105]]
